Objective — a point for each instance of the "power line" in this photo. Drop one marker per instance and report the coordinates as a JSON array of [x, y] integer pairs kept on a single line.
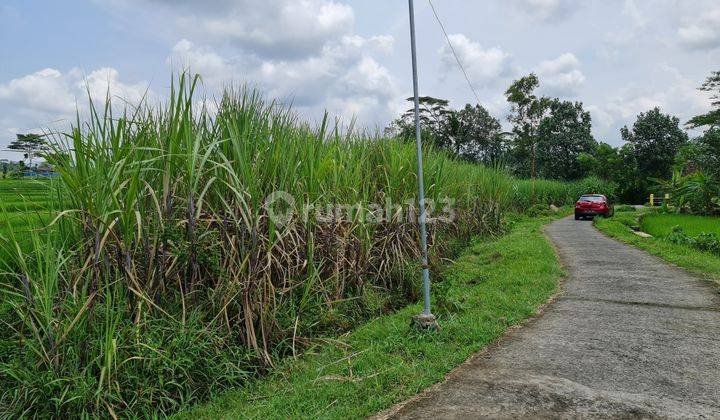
[[452, 48]]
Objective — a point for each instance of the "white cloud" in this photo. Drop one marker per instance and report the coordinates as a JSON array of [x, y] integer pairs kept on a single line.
[[269, 28], [623, 108], [345, 77], [106, 81], [46, 90], [638, 17], [484, 66], [214, 69], [301, 50], [679, 96], [625, 34], [701, 32], [548, 10], [367, 77], [561, 75], [498, 106], [49, 98]]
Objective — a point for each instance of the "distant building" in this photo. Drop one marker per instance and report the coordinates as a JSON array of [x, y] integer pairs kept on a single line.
[[43, 170]]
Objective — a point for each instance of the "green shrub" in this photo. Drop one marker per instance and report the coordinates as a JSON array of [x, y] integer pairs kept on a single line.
[[708, 242], [538, 210], [678, 236], [694, 193]]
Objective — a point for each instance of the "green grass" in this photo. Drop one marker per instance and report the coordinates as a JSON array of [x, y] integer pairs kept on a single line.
[[624, 208], [24, 204], [493, 285], [699, 262], [661, 224]]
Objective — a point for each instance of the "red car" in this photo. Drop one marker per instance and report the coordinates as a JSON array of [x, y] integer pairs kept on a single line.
[[591, 205]]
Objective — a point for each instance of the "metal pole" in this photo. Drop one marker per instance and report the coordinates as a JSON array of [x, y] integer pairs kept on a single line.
[[421, 187]]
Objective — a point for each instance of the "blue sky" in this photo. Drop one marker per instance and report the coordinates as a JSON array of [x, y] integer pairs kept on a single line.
[[351, 58]]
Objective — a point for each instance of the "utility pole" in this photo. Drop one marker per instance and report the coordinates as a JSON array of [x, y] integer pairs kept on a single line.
[[426, 319]]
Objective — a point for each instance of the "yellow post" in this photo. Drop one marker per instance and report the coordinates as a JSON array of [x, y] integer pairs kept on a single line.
[[652, 200], [667, 196]]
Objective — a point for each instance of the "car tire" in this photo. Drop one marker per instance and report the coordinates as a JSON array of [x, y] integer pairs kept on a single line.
[[577, 217]]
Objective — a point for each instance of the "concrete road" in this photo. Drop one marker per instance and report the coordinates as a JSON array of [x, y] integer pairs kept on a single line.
[[630, 336]]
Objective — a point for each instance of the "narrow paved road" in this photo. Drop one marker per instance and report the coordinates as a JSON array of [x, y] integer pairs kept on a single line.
[[630, 336]]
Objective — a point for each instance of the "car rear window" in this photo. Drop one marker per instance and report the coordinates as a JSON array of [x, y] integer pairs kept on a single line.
[[592, 198]]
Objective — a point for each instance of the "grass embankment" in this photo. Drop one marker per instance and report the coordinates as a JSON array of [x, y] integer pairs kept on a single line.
[[621, 227], [495, 284], [661, 224]]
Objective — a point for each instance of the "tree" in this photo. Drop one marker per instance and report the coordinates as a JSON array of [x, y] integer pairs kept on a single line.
[[433, 113], [606, 161], [476, 135], [527, 110], [632, 185], [562, 137], [31, 145], [701, 154], [470, 133], [712, 118], [587, 163], [710, 152], [655, 138]]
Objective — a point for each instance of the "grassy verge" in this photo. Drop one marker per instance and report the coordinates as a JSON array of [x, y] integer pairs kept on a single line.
[[495, 284], [699, 262]]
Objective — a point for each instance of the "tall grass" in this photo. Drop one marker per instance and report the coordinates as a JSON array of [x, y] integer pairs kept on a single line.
[[559, 193], [164, 279]]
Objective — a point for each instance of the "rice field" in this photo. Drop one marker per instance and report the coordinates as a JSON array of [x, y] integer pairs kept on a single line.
[[24, 204], [662, 224]]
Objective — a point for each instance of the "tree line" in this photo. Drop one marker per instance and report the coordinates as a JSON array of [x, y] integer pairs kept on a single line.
[[552, 138]]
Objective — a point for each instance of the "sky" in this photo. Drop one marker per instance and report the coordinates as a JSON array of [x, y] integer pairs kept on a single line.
[[351, 58]]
